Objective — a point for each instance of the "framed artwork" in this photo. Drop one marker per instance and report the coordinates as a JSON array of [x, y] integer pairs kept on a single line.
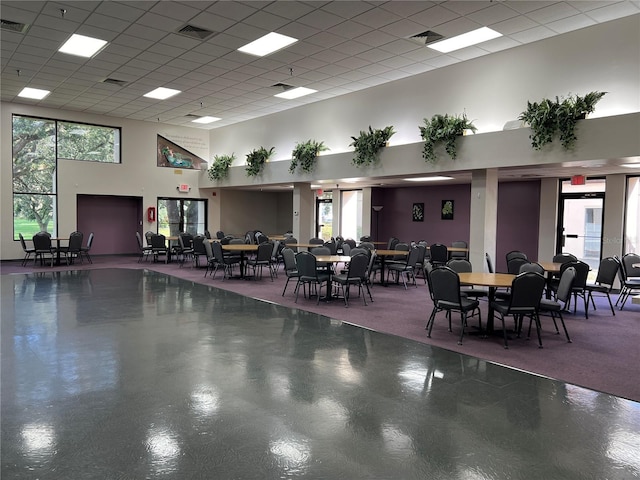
[[447, 210], [174, 156], [417, 212]]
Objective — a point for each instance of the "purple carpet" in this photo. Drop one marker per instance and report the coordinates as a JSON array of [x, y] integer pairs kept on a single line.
[[604, 355]]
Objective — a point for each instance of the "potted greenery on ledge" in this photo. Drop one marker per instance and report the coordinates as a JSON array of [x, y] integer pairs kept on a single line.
[[256, 160], [219, 169], [443, 128], [304, 155], [367, 144], [549, 118]]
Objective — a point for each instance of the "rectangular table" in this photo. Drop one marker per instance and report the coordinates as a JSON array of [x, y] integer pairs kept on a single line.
[[491, 280], [383, 254], [241, 248]]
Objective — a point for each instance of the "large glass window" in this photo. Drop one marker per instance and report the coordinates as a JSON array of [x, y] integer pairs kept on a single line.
[[351, 214], [176, 215], [34, 176], [38, 143], [80, 141], [632, 220]]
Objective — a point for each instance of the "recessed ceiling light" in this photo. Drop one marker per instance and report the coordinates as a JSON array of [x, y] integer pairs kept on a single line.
[[465, 40], [205, 120], [35, 93], [82, 46], [428, 179], [162, 93], [271, 42], [295, 93], [631, 165]]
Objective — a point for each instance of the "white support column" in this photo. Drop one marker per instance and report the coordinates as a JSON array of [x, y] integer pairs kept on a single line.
[[366, 212], [548, 219], [613, 217], [303, 212], [484, 217]]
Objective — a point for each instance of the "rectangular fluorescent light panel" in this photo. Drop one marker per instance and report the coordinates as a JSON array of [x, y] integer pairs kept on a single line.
[[428, 179], [271, 42], [465, 40], [34, 93], [631, 165], [82, 46], [205, 120], [295, 93], [162, 93]]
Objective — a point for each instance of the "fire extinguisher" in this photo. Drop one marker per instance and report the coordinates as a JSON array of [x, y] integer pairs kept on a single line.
[[151, 214]]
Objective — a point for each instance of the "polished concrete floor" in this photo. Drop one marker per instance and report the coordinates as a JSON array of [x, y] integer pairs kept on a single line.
[[131, 374]]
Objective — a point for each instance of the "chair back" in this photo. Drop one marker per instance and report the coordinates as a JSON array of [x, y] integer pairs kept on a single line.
[[358, 266], [158, 241], [24, 244], [564, 258], [401, 247], [261, 238], [532, 267], [198, 244], [218, 254], [42, 242], [237, 241], [368, 245], [459, 244], [526, 292], [514, 264], [346, 249], [139, 239], [460, 265], [75, 242], [413, 257], [185, 240], [332, 246], [582, 272], [366, 238], [250, 237], [208, 250], [219, 234], [439, 253], [307, 265], [290, 240], [607, 271], [628, 260], [357, 250], [391, 244], [422, 249], [349, 241], [226, 239], [316, 241], [264, 252], [147, 236], [89, 241], [515, 254], [320, 250], [207, 234], [289, 259], [566, 284], [444, 285]]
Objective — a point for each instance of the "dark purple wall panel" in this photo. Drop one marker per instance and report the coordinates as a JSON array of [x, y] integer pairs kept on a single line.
[[518, 215], [113, 220]]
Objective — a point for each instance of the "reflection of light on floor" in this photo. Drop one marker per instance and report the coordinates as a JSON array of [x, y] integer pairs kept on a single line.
[[205, 400], [294, 455], [413, 376], [396, 442], [38, 439], [345, 371], [333, 415], [164, 446], [623, 450]]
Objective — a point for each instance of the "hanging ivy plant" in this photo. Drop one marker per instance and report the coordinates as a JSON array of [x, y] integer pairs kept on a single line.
[[219, 169], [443, 128], [551, 118], [304, 155], [256, 160], [368, 144]]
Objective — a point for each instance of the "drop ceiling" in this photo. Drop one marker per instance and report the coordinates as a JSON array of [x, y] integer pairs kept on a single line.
[[343, 47]]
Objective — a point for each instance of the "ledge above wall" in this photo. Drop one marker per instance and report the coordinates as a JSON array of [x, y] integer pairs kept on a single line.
[[605, 141]]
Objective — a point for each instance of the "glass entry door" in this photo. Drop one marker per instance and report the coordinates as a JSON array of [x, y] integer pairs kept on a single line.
[[580, 226], [324, 218]]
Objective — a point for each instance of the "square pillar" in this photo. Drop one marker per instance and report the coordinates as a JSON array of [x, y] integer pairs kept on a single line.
[[303, 212], [484, 217]]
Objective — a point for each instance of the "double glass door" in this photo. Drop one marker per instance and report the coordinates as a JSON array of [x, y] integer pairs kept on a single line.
[[580, 226]]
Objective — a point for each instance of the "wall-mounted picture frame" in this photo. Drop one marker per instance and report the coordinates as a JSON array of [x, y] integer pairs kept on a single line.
[[417, 212], [446, 213]]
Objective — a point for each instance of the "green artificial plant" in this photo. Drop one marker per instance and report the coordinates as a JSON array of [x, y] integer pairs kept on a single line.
[[304, 155], [367, 144], [256, 160], [443, 128], [219, 169], [551, 118]]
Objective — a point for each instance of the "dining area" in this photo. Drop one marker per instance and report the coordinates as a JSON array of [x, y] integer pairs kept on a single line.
[[55, 250]]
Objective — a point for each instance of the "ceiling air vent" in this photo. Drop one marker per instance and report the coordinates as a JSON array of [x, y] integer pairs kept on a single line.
[[113, 81], [191, 115], [283, 86], [14, 26], [195, 32], [425, 38]]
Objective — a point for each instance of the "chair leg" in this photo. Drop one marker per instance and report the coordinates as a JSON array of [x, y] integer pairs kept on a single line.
[[610, 304]]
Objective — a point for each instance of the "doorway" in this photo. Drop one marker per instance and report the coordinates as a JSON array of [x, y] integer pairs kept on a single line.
[[324, 218], [580, 226]]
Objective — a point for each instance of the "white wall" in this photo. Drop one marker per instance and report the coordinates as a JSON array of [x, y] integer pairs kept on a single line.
[[492, 90]]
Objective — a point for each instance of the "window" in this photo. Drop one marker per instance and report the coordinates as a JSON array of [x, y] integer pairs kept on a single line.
[[351, 215], [93, 143], [38, 143], [34, 176], [176, 215]]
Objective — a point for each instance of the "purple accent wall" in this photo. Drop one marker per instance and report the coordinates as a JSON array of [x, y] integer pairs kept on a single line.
[[518, 217], [113, 221], [518, 214]]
